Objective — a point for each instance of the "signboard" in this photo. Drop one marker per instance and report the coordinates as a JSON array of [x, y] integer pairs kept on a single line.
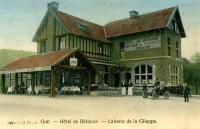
[[146, 42], [73, 61]]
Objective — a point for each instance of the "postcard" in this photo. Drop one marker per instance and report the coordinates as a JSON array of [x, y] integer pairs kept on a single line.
[[99, 64]]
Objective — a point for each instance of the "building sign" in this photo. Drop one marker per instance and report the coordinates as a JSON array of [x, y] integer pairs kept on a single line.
[[73, 61], [146, 42]]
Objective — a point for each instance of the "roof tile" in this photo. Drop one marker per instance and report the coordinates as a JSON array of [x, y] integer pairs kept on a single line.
[[95, 31], [145, 22], [41, 60]]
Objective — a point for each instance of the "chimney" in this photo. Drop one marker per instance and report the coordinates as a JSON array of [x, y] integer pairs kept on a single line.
[[53, 5], [133, 14]]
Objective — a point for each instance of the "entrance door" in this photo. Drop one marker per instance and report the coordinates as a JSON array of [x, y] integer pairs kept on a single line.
[[127, 77]]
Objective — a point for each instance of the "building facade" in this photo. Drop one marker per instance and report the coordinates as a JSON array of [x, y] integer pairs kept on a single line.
[[141, 48]]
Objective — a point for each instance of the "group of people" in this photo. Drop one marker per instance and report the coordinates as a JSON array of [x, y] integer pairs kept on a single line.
[[127, 84], [186, 89]]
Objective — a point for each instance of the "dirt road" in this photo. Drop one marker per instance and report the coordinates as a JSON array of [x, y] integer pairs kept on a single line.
[[81, 112]]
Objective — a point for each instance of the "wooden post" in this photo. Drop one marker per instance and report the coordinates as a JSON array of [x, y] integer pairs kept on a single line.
[[89, 83], [33, 83], [16, 83], [53, 82], [3, 83]]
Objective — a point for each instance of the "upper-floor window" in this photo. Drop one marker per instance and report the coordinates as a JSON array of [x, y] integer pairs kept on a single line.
[[42, 46], [121, 49], [177, 49], [169, 46], [100, 45], [61, 42], [168, 41], [173, 25]]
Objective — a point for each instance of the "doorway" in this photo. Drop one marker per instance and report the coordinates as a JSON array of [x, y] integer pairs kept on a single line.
[[127, 77], [116, 79]]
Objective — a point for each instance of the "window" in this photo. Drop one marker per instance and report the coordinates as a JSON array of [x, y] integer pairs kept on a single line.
[[75, 42], [177, 49], [168, 41], [83, 27], [173, 25], [100, 45], [67, 41], [62, 43], [169, 46], [85, 45], [174, 75], [81, 44], [143, 73], [169, 51], [121, 49], [71, 41], [122, 46], [42, 47]]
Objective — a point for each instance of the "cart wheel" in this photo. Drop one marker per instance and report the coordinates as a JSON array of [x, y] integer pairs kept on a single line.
[[166, 95], [154, 95]]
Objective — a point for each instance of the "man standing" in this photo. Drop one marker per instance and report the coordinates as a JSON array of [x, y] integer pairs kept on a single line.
[[186, 92]]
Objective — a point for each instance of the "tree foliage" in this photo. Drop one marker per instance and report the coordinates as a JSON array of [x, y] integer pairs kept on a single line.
[[191, 71], [196, 58]]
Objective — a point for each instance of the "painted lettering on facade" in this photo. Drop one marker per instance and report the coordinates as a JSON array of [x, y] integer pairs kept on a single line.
[[147, 42]]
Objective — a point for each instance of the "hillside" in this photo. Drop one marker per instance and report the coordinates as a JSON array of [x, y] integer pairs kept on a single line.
[[8, 55]]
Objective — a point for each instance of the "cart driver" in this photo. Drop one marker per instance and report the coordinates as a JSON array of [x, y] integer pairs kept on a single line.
[[157, 83], [162, 84]]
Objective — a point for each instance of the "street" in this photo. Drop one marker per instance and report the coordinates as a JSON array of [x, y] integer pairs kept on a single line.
[[122, 112]]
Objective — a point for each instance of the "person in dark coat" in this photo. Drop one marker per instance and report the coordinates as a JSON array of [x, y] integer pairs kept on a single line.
[[186, 92], [126, 85], [157, 85]]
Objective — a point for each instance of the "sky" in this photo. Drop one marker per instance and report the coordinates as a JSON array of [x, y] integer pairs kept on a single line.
[[19, 19]]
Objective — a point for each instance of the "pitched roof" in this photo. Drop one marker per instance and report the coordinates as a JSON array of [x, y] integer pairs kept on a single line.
[[71, 22], [145, 22], [150, 21], [41, 60]]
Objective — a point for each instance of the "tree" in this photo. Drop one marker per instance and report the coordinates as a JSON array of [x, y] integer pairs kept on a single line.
[[196, 64], [191, 71], [195, 58]]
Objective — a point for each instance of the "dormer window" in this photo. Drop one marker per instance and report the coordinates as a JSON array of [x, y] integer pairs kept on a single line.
[[83, 27]]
